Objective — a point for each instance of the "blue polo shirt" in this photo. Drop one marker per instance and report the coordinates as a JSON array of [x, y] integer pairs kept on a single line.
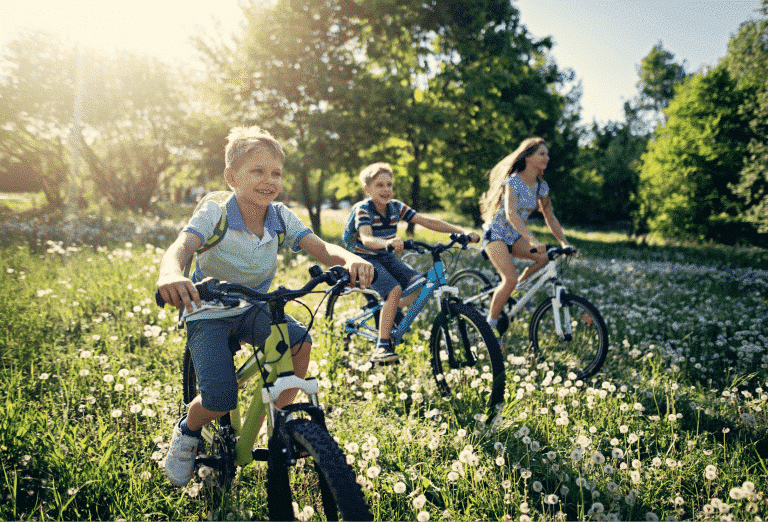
[[241, 257]]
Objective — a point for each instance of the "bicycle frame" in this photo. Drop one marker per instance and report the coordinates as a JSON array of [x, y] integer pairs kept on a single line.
[[432, 283], [548, 274]]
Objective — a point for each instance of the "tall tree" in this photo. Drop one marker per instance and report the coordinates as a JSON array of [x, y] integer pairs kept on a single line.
[[658, 74], [747, 61], [295, 71], [37, 98], [478, 84], [692, 159]]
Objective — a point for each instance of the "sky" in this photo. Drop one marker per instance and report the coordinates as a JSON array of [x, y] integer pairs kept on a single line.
[[603, 41]]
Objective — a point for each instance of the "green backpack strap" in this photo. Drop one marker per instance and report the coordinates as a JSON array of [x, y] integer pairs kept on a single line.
[[281, 232], [220, 197]]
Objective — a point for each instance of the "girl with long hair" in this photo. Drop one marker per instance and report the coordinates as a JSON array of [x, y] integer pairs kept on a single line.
[[516, 189]]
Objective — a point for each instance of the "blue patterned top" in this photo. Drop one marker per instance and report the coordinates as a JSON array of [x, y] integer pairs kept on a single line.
[[501, 229]]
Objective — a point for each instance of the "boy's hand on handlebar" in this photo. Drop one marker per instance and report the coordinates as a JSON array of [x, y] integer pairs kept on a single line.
[[360, 272], [178, 291], [395, 245]]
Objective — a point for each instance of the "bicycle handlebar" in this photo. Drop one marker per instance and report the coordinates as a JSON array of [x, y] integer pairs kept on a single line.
[[231, 293], [554, 251], [418, 246]]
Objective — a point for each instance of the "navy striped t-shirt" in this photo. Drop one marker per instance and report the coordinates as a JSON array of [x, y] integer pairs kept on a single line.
[[383, 226]]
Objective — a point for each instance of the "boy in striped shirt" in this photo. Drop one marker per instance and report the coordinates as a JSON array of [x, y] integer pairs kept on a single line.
[[375, 222]]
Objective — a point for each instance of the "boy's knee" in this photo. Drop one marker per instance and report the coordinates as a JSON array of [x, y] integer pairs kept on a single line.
[[395, 293]]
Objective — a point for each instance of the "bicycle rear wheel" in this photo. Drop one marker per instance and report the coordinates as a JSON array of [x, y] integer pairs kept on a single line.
[[583, 351], [340, 309], [470, 283], [466, 358], [340, 492]]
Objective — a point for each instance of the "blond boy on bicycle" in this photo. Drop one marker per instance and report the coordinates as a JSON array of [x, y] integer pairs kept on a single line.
[[245, 254]]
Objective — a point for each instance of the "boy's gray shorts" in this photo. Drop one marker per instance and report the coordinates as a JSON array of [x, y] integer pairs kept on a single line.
[[213, 342]]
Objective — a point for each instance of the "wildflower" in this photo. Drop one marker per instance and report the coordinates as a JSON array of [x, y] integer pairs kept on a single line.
[[737, 493], [116, 413], [581, 482], [108, 378], [84, 372], [598, 458], [651, 517], [119, 387], [352, 447], [350, 459], [423, 516], [453, 476], [710, 472], [617, 453], [461, 433], [524, 507], [145, 475], [678, 502], [500, 461], [136, 408], [373, 472], [399, 487], [86, 354], [419, 502], [123, 373], [44, 376], [537, 486]]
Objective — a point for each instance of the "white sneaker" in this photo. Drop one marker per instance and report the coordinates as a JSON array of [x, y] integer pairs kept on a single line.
[[180, 462]]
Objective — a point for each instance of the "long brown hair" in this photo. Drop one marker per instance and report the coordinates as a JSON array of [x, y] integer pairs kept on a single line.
[[490, 201]]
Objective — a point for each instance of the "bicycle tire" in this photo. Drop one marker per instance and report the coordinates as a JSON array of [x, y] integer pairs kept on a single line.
[[188, 377], [340, 492], [339, 308], [583, 354], [471, 282], [461, 340]]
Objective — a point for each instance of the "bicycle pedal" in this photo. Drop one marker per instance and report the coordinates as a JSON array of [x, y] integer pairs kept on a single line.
[[385, 363]]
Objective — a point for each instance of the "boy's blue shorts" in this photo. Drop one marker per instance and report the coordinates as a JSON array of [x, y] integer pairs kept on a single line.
[[390, 272], [213, 342]]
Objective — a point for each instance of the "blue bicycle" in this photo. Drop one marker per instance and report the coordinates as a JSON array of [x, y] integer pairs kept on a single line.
[[465, 356]]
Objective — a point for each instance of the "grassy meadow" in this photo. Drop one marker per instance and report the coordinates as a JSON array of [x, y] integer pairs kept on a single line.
[[672, 428]]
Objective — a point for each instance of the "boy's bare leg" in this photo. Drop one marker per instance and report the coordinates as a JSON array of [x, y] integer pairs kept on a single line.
[[388, 311], [198, 416]]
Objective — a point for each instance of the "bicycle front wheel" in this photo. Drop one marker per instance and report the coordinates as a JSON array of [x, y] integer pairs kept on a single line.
[[466, 358], [340, 492], [580, 352]]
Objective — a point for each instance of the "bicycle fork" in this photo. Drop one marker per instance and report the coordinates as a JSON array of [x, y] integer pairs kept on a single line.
[[563, 327]]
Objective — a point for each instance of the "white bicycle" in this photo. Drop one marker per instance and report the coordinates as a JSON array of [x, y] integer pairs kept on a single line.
[[566, 331]]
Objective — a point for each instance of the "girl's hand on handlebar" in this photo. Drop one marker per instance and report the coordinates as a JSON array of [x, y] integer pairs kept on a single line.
[[360, 271], [178, 291]]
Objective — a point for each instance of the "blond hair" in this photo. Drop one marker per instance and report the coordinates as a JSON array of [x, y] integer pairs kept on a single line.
[[373, 170], [490, 201], [243, 140]]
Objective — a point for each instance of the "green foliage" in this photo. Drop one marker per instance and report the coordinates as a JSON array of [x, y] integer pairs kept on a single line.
[[692, 160], [747, 60]]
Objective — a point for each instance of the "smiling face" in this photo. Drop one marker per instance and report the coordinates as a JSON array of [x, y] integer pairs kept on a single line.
[[258, 179], [379, 189], [538, 160]]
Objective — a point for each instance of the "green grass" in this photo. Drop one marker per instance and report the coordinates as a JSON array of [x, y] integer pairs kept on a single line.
[[90, 386]]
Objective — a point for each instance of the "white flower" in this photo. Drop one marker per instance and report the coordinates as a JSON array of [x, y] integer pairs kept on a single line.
[[537, 486], [116, 413], [423, 516], [399, 487], [44, 376], [551, 499], [419, 502], [373, 472], [710, 472], [108, 378], [453, 476]]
